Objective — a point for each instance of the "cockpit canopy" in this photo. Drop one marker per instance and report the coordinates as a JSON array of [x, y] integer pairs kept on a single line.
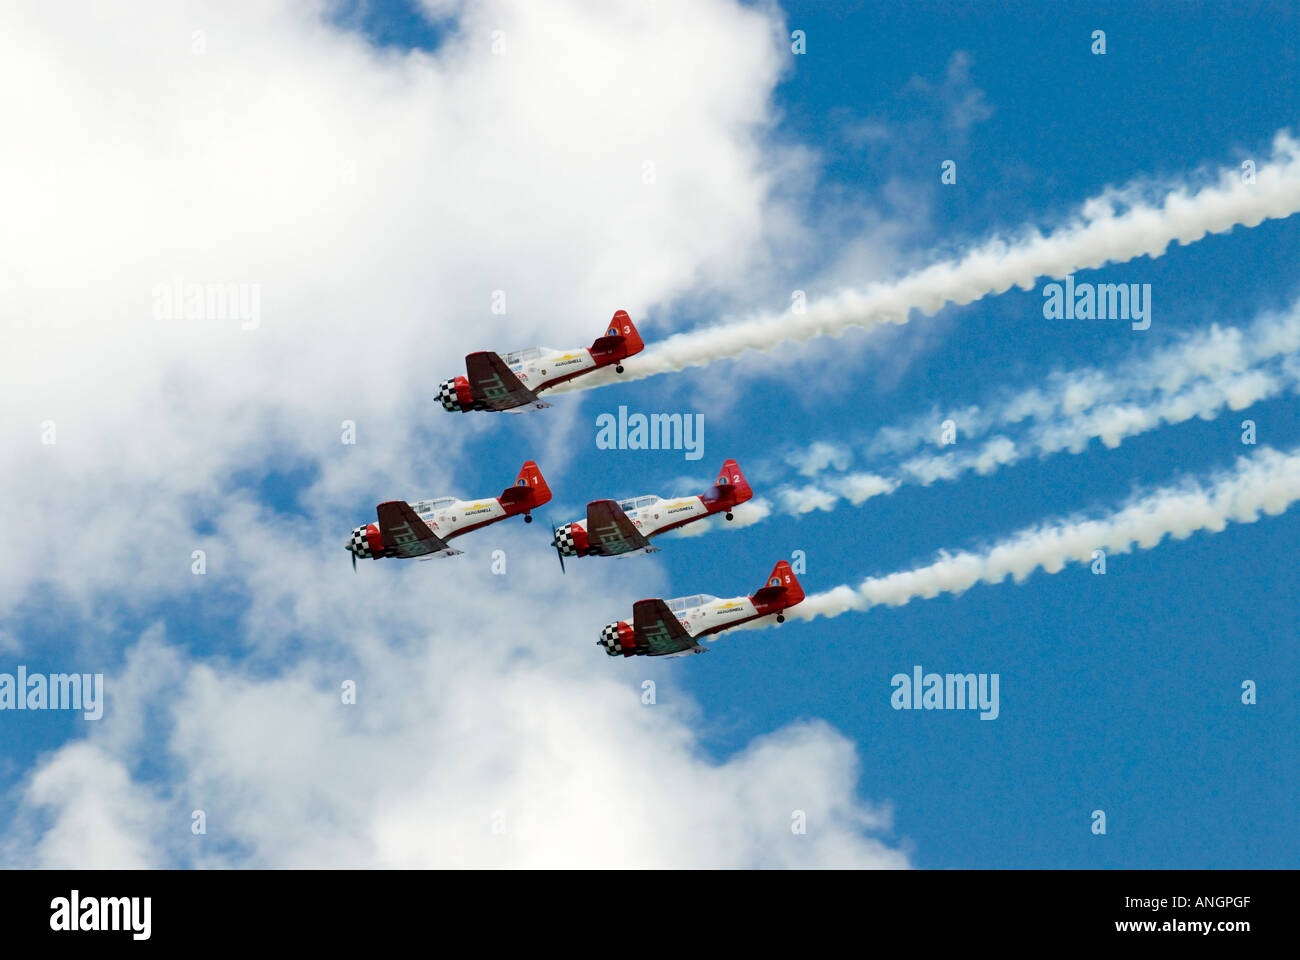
[[433, 506], [637, 503], [522, 356], [688, 603]]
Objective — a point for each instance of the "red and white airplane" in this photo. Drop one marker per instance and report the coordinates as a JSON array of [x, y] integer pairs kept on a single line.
[[422, 529], [622, 528], [671, 628], [513, 382]]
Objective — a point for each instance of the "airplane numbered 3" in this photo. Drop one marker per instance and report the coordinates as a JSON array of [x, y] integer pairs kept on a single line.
[[622, 528], [512, 382], [671, 628], [422, 529]]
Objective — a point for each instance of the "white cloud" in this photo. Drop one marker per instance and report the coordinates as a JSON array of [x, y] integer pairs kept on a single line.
[[473, 745], [374, 201], [806, 499], [820, 456], [99, 817], [857, 488]]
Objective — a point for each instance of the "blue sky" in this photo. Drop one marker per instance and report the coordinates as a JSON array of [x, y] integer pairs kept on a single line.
[[1118, 692]]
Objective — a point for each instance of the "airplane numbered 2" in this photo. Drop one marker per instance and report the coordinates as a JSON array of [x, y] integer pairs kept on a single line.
[[622, 528], [671, 628], [422, 529], [512, 382]]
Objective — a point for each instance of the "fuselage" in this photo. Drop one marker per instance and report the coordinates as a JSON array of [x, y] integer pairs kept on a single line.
[[651, 515], [539, 368], [512, 382], [701, 616], [446, 516]]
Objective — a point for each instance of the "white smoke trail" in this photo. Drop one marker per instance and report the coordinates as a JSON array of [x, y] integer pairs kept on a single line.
[[1111, 228], [1202, 376], [1268, 483], [1216, 355]]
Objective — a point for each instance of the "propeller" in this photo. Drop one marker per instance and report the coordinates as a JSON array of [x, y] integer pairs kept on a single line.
[[555, 542], [354, 560]]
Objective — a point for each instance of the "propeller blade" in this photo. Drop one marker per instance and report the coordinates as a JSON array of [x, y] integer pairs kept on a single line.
[[555, 542], [354, 562]]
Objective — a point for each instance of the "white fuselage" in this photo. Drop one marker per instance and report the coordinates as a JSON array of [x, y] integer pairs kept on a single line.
[[702, 615], [540, 367], [652, 515], [448, 517]]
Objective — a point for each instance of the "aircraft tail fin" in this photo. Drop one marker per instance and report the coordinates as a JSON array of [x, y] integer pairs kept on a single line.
[[529, 490], [782, 589], [620, 340], [731, 488]]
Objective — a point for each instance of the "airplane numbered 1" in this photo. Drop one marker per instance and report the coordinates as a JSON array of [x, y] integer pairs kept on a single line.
[[623, 528], [671, 628], [512, 382], [422, 529]]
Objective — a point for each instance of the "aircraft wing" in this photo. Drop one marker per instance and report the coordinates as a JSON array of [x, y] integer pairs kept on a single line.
[[406, 535], [658, 629], [610, 532], [494, 387]]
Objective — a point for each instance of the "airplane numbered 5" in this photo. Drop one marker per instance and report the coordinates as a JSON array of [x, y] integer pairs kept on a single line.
[[422, 529], [671, 628], [512, 382]]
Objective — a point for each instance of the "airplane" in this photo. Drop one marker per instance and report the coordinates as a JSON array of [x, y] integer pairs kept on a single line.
[[422, 529], [623, 528], [512, 382], [671, 628]]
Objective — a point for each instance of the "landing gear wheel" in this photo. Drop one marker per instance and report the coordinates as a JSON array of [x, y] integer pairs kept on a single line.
[[780, 618], [731, 516], [619, 368], [527, 518]]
